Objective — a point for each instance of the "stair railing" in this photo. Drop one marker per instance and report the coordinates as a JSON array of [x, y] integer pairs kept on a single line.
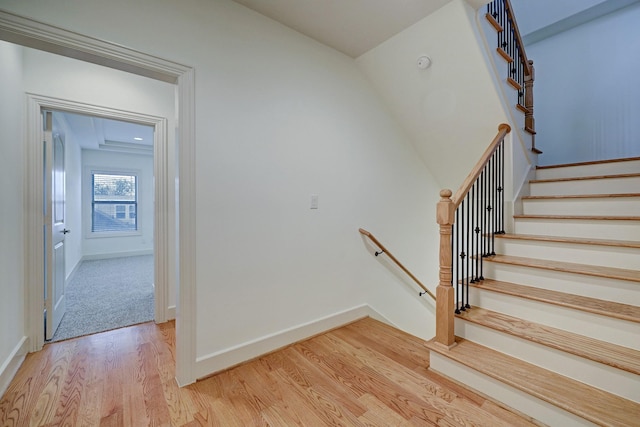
[[469, 221], [384, 250], [520, 71]]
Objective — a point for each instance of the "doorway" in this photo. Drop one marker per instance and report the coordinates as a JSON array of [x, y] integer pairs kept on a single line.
[[160, 232], [105, 268], [27, 32]]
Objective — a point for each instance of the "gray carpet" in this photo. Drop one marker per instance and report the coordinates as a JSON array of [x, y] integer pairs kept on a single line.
[[108, 294]]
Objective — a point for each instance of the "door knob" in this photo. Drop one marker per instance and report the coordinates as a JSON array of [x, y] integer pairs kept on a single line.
[[65, 231]]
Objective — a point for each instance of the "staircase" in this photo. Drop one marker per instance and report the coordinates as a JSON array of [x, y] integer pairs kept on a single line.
[[554, 328]]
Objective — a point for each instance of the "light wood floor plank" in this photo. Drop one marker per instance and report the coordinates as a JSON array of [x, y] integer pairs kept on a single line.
[[366, 373]]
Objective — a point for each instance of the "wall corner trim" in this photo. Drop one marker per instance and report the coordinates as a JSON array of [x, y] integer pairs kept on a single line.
[[10, 366], [233, 356]]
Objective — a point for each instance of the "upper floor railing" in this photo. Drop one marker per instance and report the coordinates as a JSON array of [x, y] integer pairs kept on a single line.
[[520, 70]]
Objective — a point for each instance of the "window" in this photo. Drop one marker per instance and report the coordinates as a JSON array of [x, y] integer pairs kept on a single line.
[[114, 202]]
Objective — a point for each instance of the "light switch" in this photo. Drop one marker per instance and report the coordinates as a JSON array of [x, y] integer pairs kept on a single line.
[[314, 201]]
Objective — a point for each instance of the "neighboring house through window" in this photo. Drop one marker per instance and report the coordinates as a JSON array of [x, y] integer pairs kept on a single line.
[[114, 202]]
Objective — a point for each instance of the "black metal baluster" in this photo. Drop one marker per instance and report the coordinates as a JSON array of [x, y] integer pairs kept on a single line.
[[485, 216], [468, 260], [502, 189], [474, 227], [481, 229], [457, 278], [495, 203]]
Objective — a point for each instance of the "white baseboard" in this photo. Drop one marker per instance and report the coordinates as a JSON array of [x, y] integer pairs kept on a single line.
[[171, 312], [94, 257], [74, 270], [216, 362], [10, 366]]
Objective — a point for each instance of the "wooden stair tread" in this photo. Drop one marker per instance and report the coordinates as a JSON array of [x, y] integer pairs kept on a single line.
[[569, 267], [578, 302], [606, 353], [584, 178], [588, 402], [594, 162], [581, 217], [583, 196], [575, 240]]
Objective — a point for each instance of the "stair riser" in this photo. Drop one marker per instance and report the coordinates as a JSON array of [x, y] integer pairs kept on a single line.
[[622, 291], [606, 206], [613, 168], [590, 186], [523, 402], [596, 374], [596, 229], [608, 256], [602, 328]]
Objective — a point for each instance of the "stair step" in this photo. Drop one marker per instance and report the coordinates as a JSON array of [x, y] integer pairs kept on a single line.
[[581, 196], [582, 217], [606, 353], [569, 251], [627, 204], [568, 267], [597, 184], [575, 397], [602, 167], [585, 178], [573, 240], [577, 302], [598, 227]]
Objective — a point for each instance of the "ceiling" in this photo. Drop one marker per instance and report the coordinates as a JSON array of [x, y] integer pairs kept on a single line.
[[352, 27], [96, 133]]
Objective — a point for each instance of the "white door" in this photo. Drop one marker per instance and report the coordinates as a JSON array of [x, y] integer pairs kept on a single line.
[[55, 230]]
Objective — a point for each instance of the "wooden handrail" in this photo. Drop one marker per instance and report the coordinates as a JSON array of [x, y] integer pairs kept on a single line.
[[398, 263], [503, 130], [516, 33], [445, 217]]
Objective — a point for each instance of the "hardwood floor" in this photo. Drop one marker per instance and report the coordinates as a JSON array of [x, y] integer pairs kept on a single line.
[[363, 374]]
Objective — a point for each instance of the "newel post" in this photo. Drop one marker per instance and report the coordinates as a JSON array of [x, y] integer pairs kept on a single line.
[[444, 292], [529, 121]]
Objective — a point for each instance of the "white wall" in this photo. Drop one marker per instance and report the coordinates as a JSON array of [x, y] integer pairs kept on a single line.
[[73, 194], [12, 326], [533, 16], [278, 118], [95, 246], [587, 99], [451, 110]]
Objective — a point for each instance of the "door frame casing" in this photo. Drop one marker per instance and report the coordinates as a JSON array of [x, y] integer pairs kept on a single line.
[[35, 34], [35, 274]]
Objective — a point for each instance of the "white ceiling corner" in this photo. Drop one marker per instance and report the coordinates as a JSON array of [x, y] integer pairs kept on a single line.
[[352, 27]]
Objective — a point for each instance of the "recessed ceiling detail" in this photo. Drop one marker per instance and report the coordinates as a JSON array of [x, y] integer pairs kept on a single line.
[[97, 133]]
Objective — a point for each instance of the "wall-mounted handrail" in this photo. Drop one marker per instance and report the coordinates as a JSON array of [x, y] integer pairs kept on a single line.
[[468, 222], [395, 260]]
